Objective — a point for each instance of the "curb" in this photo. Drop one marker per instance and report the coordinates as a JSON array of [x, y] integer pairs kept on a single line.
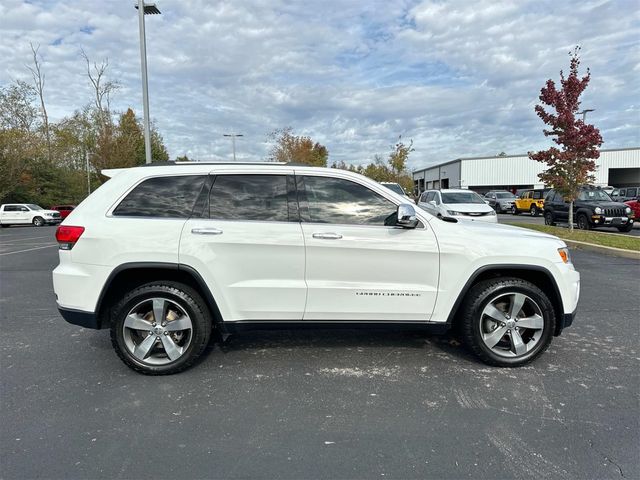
[[617, 252]]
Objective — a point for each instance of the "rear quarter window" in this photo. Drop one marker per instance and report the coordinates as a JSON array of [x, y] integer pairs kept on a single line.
[[164, 197]]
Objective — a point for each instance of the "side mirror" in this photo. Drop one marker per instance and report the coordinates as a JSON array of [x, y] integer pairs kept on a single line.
[[487, 202], [432, 202], [407, 216]]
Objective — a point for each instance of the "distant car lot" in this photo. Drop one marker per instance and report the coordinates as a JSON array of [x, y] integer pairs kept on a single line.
[[508, 218], [327, 404]]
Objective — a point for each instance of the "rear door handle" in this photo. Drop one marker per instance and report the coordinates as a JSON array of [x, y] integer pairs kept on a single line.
[[327, 236], [206, 231]]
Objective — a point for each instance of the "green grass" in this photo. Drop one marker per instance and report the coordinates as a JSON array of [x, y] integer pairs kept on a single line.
[[598, 238]]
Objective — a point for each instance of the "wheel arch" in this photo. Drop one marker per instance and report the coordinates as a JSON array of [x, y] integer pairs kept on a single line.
[[539, 276], [127, 276]]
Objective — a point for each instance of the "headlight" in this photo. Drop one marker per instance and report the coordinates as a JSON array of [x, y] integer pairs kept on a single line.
[[452, 212], [564, 254], [598, 210], [492, 212], [627, 210], [48, 214]]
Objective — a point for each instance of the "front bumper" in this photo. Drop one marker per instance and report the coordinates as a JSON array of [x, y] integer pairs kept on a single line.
[[612, 221], [565, 321], [80, 317], [52, 221]]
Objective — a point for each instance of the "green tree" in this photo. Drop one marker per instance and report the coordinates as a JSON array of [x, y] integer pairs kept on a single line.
[[298, 149]]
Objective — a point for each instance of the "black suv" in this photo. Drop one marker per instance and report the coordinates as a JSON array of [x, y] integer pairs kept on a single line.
[[593, 208]]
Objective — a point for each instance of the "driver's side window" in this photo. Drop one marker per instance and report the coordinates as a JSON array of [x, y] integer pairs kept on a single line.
[[340, 201]]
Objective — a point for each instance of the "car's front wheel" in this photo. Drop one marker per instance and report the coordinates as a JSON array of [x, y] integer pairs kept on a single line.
[[583, 222], [548, 219], [160, 328], [534, 211], [507, 322], [38, 221], [627, 228], [514, 210]]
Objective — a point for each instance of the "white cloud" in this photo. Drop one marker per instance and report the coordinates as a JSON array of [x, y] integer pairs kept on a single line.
[[460, 78]]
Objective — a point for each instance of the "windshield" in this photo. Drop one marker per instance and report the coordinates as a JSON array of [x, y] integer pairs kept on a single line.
[[395, 187], [505, 195], [461, 197], [34, 207], [594, 196]]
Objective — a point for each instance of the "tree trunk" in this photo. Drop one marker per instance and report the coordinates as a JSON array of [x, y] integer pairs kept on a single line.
[[571, 216]]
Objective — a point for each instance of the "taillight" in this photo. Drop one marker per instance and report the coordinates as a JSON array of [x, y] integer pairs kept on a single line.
[[67, 236]]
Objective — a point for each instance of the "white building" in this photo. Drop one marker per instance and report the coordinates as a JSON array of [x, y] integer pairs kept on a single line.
[[618, 168]]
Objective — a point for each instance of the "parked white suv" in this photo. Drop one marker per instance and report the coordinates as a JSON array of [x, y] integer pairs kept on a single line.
[[162, 255], [27, 213], [462, 204]]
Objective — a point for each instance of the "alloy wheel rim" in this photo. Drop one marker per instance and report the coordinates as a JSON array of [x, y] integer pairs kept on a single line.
[[157, 331], [511, 324]]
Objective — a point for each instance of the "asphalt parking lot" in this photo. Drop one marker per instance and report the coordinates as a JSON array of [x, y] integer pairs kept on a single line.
[[526, 218], [324, 404]]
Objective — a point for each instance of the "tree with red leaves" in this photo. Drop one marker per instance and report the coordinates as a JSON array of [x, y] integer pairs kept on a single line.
[[572, 165]]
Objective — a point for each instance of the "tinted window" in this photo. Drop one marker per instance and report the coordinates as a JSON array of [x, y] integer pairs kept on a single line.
[[461, 197], [334, 200], [538, 195], [167, 197], [10, 208], [249, 197], [631, 192]]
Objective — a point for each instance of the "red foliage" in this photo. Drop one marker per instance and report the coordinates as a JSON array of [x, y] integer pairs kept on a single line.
[[571, 165]]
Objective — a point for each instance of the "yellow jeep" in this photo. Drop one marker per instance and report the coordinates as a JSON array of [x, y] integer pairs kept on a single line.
[[531, 201]]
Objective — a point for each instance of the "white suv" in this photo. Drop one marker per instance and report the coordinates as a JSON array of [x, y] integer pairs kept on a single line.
[[462, 204], [27, 213], [163, 255]]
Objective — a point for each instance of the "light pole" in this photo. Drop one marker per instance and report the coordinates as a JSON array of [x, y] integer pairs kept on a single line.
[[145, 9], [233, 141], [584, 114]]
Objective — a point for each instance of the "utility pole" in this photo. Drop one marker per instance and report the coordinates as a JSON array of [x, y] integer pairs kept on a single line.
[[584, 114], [233, 141], [145, 9]]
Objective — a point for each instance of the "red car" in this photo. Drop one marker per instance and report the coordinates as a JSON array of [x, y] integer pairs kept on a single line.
[[635, 206], [64, 210]]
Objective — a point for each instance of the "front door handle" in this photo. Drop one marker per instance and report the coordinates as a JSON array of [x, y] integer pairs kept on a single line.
[[327, 236], [206, 231]]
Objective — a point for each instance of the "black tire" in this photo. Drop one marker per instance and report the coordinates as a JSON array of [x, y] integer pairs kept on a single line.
[[627, 228], [471, 311], [549, 219], [189, 300], [533, 211], [38, 221], [514, 210], [583, 222], [4, 225], [497, 208]]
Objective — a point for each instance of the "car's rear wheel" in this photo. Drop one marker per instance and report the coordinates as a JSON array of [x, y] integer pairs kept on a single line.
[[533, 210], [160, 328], [38, 221], [549, 220], [583, 222], [507, 322]]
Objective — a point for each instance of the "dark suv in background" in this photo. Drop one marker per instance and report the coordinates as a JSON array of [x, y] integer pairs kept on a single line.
[[593, 208]]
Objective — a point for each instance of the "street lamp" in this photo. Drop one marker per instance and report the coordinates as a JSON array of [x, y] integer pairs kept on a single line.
[[145, 9], [233, 141], [584, 114]]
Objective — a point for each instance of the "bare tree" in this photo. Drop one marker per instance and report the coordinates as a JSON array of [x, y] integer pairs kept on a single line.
[[102, 87], [38, 84]]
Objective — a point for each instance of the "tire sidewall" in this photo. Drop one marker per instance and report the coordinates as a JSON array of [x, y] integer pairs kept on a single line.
[[548, 219], [38, 221], [520, 287], [200, 322], [584, 225]]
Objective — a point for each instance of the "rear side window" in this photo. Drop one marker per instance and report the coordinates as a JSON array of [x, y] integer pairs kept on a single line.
[[538, 195], [165, 197], [632, 192], [249, 197]]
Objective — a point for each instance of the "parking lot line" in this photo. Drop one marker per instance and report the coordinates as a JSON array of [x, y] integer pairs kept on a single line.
[[28, 249]]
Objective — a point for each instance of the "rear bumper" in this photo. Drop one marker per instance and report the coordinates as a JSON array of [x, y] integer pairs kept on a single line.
[[80, 317]]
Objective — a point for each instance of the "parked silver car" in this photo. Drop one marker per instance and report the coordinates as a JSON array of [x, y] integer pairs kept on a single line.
[[500, 200]]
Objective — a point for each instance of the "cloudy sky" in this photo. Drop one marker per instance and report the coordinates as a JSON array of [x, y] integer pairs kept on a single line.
[[460, 78]]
